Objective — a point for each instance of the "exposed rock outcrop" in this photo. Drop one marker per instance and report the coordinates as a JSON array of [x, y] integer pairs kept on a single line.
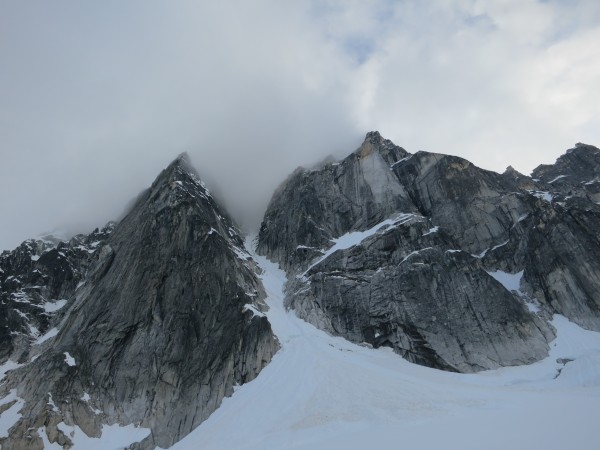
[[312, 207], [457, 285], [36, 279], [165, 323], [576, 173]]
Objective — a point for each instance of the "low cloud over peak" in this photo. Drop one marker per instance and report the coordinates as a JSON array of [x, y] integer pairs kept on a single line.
[[95, 99]]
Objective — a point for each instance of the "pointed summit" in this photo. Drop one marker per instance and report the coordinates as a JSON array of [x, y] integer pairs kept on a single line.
[[373, 137], [579, 165], [181, 165], [389, 151], [183, 160], [161, 328]]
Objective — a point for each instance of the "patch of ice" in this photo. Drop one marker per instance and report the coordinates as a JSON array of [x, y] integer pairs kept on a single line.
[[86, 398], [416, 252], [432, 230], [255, 312], [544, 195], [112, 436], [520, 219], [69, 359], [51, 403], [48, 335], [33, 331], [557, 178], [47, 444], [354, 238], [481, 255], [499, 245], [8, 365], [12, 415], [511, 281], [35, 257], [20, 297], [400, 161], [22, 314], [51, 307]]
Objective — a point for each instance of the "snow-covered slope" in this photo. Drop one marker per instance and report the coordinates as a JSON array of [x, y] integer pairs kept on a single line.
[[322, 392]]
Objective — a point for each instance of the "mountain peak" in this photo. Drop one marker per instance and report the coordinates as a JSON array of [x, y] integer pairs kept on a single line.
[[183, 161], [180, 169], [373, 137], [374, 142]]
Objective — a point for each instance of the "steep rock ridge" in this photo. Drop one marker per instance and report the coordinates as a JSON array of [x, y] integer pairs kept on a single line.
[[312, 207], [404, 287], [576, 173], [557, 243], [563, 266], [166, 323], [475, 206], [35, 280], [491, 254]]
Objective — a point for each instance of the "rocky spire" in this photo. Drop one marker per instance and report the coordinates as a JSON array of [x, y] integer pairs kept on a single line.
[[159, 331]]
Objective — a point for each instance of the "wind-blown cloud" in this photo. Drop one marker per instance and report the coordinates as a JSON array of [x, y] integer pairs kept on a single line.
[[95, 98]]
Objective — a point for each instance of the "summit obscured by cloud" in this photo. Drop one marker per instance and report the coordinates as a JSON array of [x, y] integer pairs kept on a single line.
[[97, 97]]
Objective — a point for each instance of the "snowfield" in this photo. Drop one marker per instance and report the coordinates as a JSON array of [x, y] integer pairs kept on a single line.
[[323, 392]]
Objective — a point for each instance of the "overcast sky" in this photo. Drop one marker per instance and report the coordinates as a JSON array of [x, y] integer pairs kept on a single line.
[[97, 97]]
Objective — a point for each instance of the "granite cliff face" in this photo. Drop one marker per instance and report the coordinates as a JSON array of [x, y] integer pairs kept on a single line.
[[160, 319], [36, 280], [152, 321], [452, 266], [312, 207]]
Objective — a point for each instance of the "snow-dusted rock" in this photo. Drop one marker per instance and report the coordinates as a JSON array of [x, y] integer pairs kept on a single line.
[[429, 294], [158, 333]]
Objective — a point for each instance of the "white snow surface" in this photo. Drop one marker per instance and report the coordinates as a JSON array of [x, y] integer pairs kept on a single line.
[[8, 365], [511, 281], [69, 359], [49, 335], [113, 437], [323, 392], [544, 195], [557, 178], [253, 309], [11, 415], [354, 238], [50, 307]]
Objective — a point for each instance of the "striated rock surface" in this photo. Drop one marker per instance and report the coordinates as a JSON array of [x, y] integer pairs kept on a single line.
[[36, 279], [161, 322], [576, 173], [454, 267], [314, 206]]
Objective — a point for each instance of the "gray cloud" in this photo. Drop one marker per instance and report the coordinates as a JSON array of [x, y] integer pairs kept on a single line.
[[96, 98]]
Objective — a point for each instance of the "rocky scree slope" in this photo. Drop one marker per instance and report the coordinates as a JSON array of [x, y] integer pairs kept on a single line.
[[162, 319], [452, 266]]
